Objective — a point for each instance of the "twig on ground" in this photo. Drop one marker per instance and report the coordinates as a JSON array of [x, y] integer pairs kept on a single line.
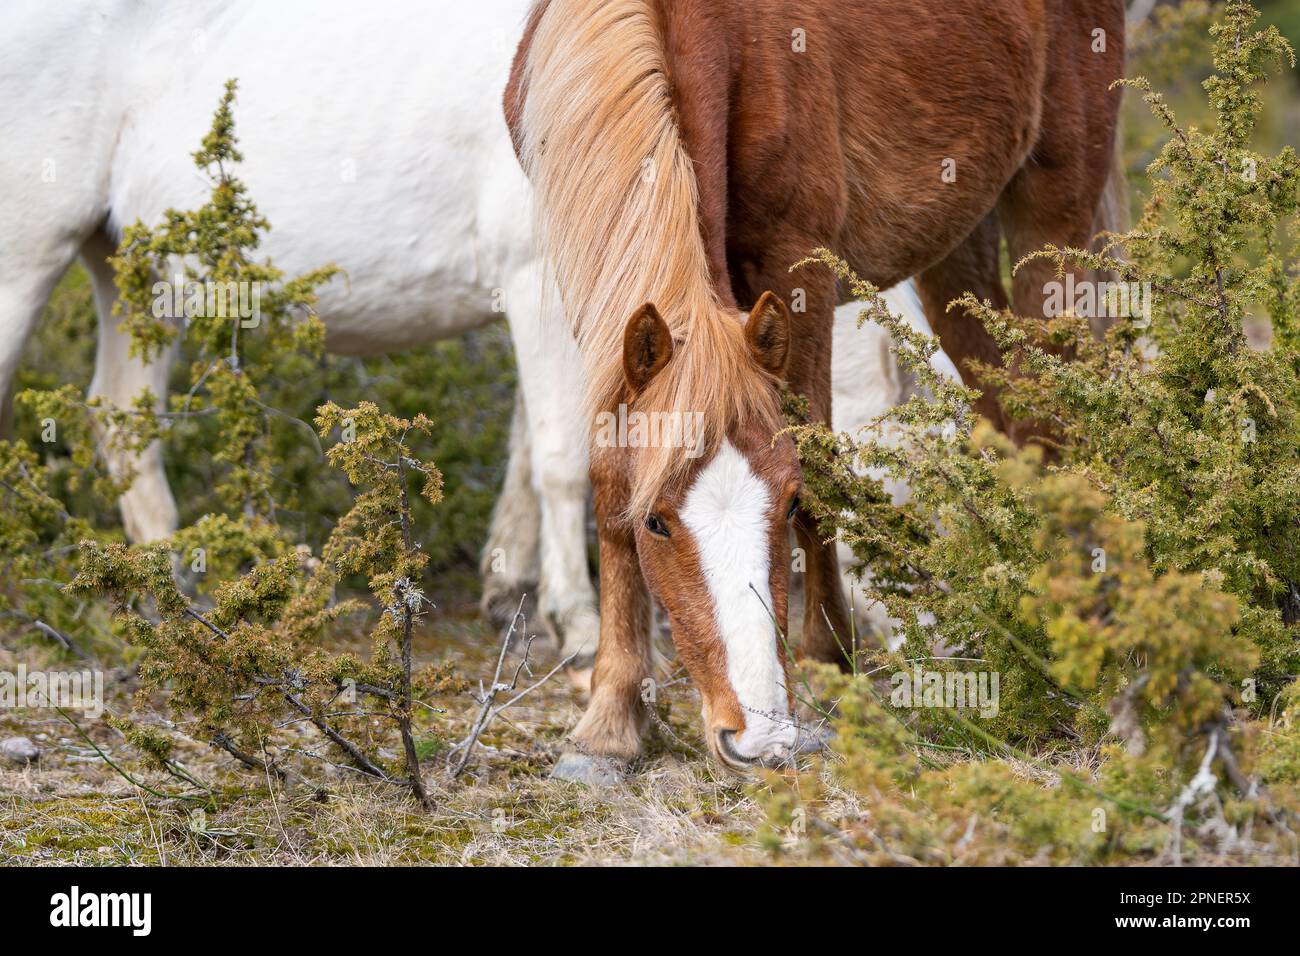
[[61, 638], [488, 709], [1202, 784], [122, 773]]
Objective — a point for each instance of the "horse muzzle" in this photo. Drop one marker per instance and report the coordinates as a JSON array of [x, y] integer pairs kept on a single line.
[[732, 752], [799, 739]]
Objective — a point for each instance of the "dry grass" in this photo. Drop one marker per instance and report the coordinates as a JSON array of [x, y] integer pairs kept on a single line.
[[675, 808], [70, 807]]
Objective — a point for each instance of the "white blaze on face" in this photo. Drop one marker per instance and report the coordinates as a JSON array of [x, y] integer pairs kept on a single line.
[[727, 511]]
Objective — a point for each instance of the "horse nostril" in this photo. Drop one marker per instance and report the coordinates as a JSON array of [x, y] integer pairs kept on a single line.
[[730, 755]]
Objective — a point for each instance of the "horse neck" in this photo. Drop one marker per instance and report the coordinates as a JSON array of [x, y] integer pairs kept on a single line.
[[616, 193]]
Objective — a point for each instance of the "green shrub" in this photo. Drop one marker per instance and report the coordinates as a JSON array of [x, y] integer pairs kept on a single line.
[[1136, 590], [243, 660]]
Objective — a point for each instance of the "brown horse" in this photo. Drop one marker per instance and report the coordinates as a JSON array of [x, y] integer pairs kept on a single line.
[[684, 154]]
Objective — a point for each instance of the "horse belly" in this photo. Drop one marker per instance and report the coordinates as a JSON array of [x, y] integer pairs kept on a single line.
[[374, 142], [890, 152], [930, 133]]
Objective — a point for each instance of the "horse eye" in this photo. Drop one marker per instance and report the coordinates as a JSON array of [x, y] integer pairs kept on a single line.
[[794, 506], [654, 525]]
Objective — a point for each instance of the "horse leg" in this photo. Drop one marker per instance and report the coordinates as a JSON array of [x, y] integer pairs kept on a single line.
[[827, 633], [21, 302], [510, 558], [971, 267], [1058, 203], [1059, 196], [609, 732], [1045, 205], [59, 133], [27, 277], [550, 374], [148, 508]]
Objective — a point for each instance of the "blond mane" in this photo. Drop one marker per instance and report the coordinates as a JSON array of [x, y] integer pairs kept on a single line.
[[617, 203]]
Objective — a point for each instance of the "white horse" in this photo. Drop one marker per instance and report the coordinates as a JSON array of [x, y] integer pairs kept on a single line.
[[373, 139], [867, 381]]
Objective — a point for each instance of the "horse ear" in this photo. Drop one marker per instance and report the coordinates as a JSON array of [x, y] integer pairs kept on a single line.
[[647, 346], [768, 334]]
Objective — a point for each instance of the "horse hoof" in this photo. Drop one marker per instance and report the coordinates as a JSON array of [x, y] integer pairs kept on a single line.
[[501, 603], [576, 632], [513, 625], [588, 770]]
